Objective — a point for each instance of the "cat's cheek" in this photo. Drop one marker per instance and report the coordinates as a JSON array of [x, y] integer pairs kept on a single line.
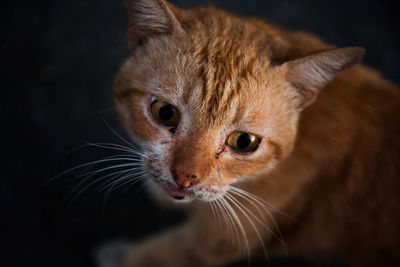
[[236, 169], [142, 129], [135, 117]]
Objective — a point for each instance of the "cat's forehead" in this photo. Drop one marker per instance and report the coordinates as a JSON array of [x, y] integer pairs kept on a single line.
[[233, 59], [215, 88], [217, 84], [218, 67], [228, 77]]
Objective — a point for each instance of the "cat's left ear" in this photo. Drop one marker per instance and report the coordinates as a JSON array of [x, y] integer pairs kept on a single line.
[[149, 18], [308, 75]]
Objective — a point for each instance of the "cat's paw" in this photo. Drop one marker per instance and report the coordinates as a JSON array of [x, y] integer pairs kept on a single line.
[[112, 254]]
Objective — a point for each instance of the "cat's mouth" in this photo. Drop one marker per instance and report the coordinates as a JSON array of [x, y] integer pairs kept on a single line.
[[177, 193]]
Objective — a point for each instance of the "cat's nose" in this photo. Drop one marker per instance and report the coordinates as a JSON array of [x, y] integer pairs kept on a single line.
[[184, 179]]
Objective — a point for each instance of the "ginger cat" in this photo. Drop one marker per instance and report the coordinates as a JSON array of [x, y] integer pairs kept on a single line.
[[277, 150]]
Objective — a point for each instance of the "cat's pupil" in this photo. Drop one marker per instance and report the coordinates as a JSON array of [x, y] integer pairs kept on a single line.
[[166, 112], [243, 141]]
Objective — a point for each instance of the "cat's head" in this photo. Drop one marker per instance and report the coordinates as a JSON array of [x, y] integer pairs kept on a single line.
[[210, 97]]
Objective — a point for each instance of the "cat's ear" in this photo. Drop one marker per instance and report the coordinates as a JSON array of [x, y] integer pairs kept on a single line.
[[308, 75], [149, 18]]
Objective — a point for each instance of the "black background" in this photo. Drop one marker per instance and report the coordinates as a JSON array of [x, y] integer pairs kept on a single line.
[[57, 61]]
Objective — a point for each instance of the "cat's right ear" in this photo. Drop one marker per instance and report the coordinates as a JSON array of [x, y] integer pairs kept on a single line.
[[149, 18]]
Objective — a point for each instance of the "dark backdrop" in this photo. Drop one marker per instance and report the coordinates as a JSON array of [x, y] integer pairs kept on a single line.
[[57, 61]]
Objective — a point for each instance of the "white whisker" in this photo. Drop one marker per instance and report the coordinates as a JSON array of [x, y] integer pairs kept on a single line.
[[255, 217], [253, 199], [113, 174], [211, 205], [243, 209], [134, 181], [228, 219], [240, 225], [82, 166], [258, 199], [116, 147], [132, 166], [123, 181], [108, 125], [130, 176]]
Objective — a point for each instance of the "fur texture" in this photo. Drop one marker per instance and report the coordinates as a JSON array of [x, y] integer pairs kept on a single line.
[[330, 163]]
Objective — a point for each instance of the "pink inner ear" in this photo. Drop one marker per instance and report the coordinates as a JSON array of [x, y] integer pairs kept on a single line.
[[309, 74]]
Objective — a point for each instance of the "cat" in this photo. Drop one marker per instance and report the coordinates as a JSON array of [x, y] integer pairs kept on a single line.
[[281, 143]]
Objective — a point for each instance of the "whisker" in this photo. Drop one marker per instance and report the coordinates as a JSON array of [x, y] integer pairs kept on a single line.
[[228, 219], [129, 163], [130, 176], [94, 173], [118, 147], [243, 209], [255, 217], [141, 176], [250, 198], [258, 199], [108, 125], [111, 146], [81, 166], [240, 225], [113, 175], [134, 181], [211, 205], [219, 212], [109, 168]]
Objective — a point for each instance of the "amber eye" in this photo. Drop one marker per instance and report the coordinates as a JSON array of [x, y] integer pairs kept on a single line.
[[243, 142], [165, 113]]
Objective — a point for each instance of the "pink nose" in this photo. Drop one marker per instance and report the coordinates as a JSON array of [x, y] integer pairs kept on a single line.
[[184, 179]]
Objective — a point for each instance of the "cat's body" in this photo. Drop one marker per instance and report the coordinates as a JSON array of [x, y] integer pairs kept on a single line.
[[348, 143], [332, 170]]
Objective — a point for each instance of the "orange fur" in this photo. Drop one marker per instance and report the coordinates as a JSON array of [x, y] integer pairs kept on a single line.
[[333, 166]]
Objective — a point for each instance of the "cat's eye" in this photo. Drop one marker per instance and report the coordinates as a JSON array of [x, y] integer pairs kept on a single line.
[[243, 142], [165, 113]]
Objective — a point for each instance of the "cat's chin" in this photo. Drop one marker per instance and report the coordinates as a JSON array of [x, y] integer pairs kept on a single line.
[[177, 194], [187, 195]]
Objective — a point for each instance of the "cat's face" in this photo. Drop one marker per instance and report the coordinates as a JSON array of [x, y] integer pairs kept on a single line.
[[207, 107], [190, 134]]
